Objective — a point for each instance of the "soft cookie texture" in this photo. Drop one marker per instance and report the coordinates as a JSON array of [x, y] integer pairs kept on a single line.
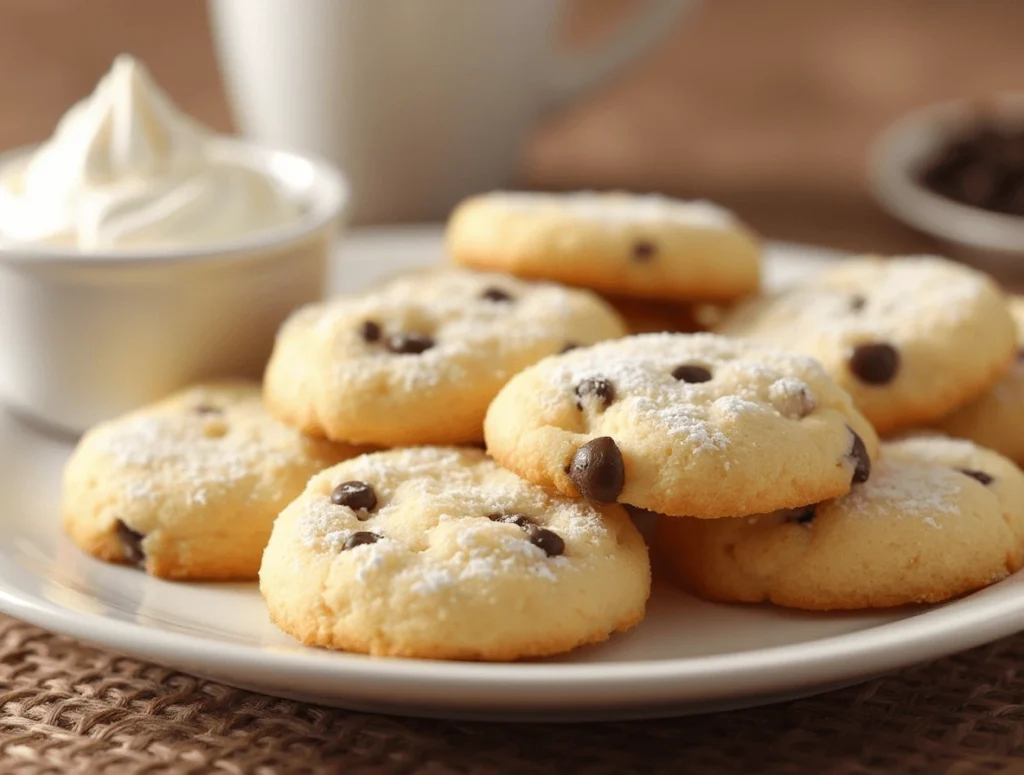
[[627, 244], [938, 518], [911, 339], [438, 553], [693, 424], [996, 419], [418, 360], [189, 488]]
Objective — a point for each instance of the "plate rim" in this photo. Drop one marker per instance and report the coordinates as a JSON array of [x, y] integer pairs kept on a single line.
[[931, 633]]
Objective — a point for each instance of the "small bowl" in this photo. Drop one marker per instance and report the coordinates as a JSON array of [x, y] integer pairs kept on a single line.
[[902, 151], [88, 336]]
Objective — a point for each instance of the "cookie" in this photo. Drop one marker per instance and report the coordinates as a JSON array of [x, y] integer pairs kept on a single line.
[[938, 518], [652, 316], [996, 418], [911, 339], [692, 424], [436, 552], [189, 488], [418, 360], [627, 244]]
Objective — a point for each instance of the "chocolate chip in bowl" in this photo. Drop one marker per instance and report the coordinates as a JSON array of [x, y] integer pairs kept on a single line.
[[956, 171]]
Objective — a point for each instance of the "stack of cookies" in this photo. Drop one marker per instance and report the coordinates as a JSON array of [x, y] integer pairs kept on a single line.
[[445, 466]]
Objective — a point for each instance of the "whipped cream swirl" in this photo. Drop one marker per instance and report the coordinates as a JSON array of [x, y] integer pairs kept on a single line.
[[125, 169]]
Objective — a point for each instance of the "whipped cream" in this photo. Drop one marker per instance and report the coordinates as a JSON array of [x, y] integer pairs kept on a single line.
[[125, 169]]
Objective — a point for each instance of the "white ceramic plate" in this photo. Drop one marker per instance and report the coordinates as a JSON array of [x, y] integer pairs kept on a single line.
[[687, 656]]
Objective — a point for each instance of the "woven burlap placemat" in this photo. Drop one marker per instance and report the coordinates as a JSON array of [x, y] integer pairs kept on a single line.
[[69, 708]]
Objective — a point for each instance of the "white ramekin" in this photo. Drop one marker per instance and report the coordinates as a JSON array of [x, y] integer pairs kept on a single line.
[[898, 155], [88, 336]]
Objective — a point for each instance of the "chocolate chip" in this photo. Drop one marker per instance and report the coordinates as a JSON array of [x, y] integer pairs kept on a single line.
[[690, 372], [360, 538], [549, 541], [597, 470], [568, 346], [862, 462], [205, 409], [131, 544], [1020, 354], [496, 294], [644, 250], [521, 520], [370, 330], [356, 495], [409, 344], [601, 389], [981, 476], [980, 165], [857, 302], [802, 516], [875, 364]]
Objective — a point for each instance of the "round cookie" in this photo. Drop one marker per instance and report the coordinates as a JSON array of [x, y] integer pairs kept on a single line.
[[996, 418], [937, 519], [627, 244], [189, 488], [911, 339], [438, 553], [693, 424], [418, 360]]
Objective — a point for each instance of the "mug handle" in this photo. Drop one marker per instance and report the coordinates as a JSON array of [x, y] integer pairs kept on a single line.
[[574, 74]]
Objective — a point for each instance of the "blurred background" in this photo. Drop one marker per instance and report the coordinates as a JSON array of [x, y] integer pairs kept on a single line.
[[767, 107]]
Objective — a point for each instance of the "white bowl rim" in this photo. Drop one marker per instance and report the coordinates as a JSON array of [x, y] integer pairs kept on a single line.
[[892, 182], [332, 203]]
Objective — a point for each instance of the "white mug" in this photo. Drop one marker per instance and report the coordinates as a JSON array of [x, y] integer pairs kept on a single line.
[[420, 102]]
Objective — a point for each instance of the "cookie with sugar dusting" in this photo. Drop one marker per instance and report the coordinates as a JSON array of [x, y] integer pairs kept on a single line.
[[911, 339], [938, 518], [436, 552], [692, 424], [418, 360], [996, 418], [188, 488], [627, 244]]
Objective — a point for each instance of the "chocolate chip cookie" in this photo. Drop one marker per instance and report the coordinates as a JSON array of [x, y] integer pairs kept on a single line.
[[996, 418], [438, 553], [418, 360], [626, 244], [938, 518], [692, 424], [911, 339], [188, 488]]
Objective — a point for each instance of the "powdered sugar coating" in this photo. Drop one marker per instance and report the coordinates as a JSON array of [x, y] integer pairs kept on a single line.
[[947, 322], [613, 208], [936, 519], [325, 376], [456, 581], [201, 476], [449, 485], [696, 417], [906, 491]]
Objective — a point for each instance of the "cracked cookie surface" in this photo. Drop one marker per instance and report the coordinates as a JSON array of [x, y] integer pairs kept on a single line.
[[692, 424], [417, 360], [437, 552]]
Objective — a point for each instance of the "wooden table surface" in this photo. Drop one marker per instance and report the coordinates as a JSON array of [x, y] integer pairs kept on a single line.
[[768, 107]]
